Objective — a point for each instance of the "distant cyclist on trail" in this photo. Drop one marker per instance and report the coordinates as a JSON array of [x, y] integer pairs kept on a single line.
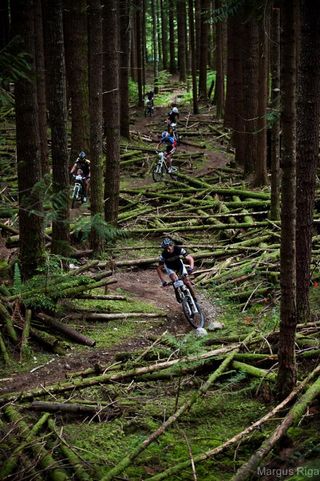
[[171, 263], [173, 115], [83, 164], [150, 97], [171, 144]]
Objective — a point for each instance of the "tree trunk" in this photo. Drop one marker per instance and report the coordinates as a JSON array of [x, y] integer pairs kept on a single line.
[[250, 91], [275, 103], [124, 67], [76, 49], [58, 122], [155, 46], [95, 106], [229, 120], [133, 36], [4, 23], [307, 148], [41, 87], [181, 14], [111, 111], [205, 7], [197, 14], [164, 33], [140, 48], [28, 146], [219, 87], [261, 177], [193, 59], [172, 37], [238, 134], [286, 353]]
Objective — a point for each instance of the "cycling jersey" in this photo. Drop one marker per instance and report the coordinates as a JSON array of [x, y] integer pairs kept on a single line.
[[84, 165], [172, 259]]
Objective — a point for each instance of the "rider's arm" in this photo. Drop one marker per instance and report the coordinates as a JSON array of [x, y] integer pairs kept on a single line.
[[73, 168], [160, 273], [190, 261]]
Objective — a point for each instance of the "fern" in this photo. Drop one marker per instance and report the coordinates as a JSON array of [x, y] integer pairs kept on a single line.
[[17, 280], [106, 231]]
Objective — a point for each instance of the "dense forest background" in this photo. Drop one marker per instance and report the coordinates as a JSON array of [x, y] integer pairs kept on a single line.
[[245, 76]]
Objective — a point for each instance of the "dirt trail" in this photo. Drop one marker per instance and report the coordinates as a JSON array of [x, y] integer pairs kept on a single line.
[[143, 284]]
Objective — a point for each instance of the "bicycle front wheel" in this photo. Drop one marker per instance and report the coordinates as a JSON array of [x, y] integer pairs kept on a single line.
[[193, 312], [158, 173]]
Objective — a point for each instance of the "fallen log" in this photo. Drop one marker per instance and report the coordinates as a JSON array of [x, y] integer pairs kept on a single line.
[[8, 322], [178, 467], [127, 460], [24, 350], [69, 454], [292, 418], [97, 316], [70, 408], [4, 351], [66, 330], [45, 459], [109, 377], [254, 371]]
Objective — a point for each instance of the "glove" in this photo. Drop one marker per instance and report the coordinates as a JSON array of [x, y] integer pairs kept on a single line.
[[164, 283], [189, 270]]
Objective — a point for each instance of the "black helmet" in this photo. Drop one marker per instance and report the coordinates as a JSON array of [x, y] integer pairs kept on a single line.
[[166, 242], [82, 155]]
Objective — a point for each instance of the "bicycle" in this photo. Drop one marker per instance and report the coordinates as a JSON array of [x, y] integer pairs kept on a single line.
[[191, 309], [161, 169], [78, 194], [174, 132], [149, 109]]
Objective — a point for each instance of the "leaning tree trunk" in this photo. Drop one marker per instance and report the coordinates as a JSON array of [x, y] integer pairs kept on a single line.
[[76, 48], [193, 59], [275, 104], [28, 145], [307, 148], [95, 106], [58, 121], [111, 111], [124, 24], [286, 352]]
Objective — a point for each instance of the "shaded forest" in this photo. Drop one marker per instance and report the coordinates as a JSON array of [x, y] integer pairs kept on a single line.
[[124, 123]]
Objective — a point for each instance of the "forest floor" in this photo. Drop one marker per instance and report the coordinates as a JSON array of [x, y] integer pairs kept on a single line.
[[231, 404], [142, 284]]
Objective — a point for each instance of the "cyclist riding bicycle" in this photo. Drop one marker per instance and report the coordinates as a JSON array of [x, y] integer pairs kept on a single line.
[[171, 263], [84, 164], [171, 144], [173, 115]]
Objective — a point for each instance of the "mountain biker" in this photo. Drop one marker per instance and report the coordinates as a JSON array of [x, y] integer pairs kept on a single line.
[[171, 144], [171, 263], [173, 115], [150, 97], [83, 164]]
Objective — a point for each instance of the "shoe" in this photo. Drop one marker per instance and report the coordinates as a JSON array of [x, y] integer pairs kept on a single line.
[[84, 199], [170, 170]]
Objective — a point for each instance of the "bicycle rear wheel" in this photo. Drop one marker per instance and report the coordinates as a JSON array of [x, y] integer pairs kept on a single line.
[[196, 319]]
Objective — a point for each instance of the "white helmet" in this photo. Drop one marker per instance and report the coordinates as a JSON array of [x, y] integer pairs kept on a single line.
[[175, 110]]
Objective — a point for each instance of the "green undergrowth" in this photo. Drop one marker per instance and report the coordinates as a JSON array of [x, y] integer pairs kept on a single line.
[[214, 419]]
